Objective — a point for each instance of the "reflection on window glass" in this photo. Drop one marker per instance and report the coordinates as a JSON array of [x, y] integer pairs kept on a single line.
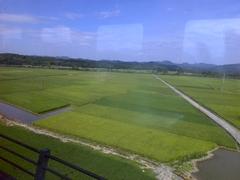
[[125, 89]]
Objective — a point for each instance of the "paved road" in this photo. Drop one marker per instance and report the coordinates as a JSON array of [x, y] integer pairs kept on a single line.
[[234, 132]]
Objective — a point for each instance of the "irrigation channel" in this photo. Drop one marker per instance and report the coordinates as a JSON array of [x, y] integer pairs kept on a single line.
[[13, 115], [223, 164], [18, 114]]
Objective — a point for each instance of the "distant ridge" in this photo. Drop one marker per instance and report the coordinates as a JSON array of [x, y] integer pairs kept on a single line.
[[157, 66]]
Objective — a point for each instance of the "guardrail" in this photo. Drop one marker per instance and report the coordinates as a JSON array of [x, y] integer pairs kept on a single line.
[[41, 164]]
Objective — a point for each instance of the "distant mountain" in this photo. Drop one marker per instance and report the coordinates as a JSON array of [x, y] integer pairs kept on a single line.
[[197, 67], [166, 62], [156, 66], [62, 57], [228, 69], [203, 67], [16, 59]]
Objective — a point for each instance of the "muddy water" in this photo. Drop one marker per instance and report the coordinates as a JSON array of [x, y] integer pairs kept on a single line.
[[224, 165], [21, 115]]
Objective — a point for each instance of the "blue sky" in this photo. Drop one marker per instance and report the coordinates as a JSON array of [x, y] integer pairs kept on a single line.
[[132, 30]]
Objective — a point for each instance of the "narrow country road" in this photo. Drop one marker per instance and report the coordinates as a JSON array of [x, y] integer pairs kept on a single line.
[[234, 132]]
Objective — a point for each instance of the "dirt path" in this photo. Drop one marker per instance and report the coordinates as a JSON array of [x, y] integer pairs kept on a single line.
[[234, 132], [162, 171]]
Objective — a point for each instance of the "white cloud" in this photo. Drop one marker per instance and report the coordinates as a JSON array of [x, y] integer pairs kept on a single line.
[[108, 14], [47, 18], [25, 18], [101, 14], [59, 34], [17, 18], [53, 41], [120, 37], [83, 38], [54, 35], [73, 16], [170, 9], [10, 33], [208, 40], [66, 35]]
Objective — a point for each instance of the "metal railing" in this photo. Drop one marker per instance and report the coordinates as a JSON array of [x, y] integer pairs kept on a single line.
[[41, 164]]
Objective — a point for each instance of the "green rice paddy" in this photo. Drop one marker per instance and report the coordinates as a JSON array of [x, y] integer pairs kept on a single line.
[[220, 95], [111, 167], [129, 111]]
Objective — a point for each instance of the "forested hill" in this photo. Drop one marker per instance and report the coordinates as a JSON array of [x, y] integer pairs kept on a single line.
[[16, 59], [161, 66]]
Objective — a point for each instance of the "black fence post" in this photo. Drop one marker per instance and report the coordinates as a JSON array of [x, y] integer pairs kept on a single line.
[[42, 164]]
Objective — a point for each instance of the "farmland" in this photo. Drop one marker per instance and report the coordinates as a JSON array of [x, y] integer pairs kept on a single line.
[[129, 111], [108, 166], [222, 96]]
